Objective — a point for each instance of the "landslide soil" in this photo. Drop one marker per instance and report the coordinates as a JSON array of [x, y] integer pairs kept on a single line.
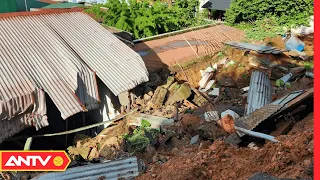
[[291, 158]]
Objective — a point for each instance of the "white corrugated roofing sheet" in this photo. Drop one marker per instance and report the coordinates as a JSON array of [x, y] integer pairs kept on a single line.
[[32, 51], [60, 53], [116, 64]]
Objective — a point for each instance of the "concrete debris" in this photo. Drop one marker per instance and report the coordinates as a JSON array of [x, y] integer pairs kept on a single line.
[[245, 89], [253, 145], [199, 100], [209, 86], [310, 75], [205, 79], [155, 121], [180, 94], [194, 140], [208, 70], [214, 92], [82, 151], [170, 81], [159, 97]]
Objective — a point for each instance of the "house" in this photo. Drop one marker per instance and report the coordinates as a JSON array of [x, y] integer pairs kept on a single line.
[[216, 8], [22, 5], [60, 64], [63, 5]]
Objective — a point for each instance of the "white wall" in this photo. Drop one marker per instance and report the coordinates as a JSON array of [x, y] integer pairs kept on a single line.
[[109, 106]]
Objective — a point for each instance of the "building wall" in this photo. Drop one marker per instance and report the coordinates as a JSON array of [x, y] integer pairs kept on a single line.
[[109, 109], [109, 105], [8, 6]]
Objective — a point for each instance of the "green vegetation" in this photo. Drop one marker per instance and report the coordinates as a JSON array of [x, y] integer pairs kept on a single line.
[[266, 18], [261, 29], [287, 12], [280, 83], [308, 65], [138, 140], [143, 20]]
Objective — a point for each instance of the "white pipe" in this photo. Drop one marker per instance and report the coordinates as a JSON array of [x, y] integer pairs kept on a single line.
[[257, 134]]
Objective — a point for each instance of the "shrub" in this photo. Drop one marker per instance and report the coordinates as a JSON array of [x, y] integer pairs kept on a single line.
[[288, 12]]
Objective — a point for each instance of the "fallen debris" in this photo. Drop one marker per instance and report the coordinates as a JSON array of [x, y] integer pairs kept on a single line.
[[256, 134], [255, 47], [214, 92], [194, 140], [259, 93], [211, 116], [155, 121], [294, 43]]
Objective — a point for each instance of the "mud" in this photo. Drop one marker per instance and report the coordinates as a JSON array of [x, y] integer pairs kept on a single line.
[[291, 158]]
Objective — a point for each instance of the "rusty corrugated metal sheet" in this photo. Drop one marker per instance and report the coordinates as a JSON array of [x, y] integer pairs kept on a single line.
[[259, 92], [116, 64], [252, 120]]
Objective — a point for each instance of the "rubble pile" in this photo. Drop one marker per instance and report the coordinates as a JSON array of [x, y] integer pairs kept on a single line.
[[241, 109]]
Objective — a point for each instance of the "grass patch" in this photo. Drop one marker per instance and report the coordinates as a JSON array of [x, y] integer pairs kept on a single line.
[[261, 29], [308, 65]]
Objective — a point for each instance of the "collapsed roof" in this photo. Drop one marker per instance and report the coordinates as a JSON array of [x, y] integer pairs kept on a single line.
[[60, 52]]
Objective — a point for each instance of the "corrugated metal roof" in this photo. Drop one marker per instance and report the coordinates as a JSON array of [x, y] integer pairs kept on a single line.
[[252, 120], [259, 92], [256, 47], [60, 52], [217, 4], [284, 100], [114, 170], [8, 6], [116, 64], [31, 50]]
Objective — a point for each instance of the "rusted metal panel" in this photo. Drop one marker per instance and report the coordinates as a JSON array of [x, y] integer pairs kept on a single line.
[[252, 120], [259, 92]]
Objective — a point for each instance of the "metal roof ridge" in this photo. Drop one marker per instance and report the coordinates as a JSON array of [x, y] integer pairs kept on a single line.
[[43, 11]]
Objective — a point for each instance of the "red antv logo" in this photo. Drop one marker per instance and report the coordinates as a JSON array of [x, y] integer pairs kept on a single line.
[[34, 161]]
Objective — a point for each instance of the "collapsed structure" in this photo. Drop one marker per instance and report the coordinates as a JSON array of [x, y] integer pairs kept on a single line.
[[59, 53]]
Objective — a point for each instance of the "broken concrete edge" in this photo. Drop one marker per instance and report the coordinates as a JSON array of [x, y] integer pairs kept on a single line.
[[155, 121], [180, 94]]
